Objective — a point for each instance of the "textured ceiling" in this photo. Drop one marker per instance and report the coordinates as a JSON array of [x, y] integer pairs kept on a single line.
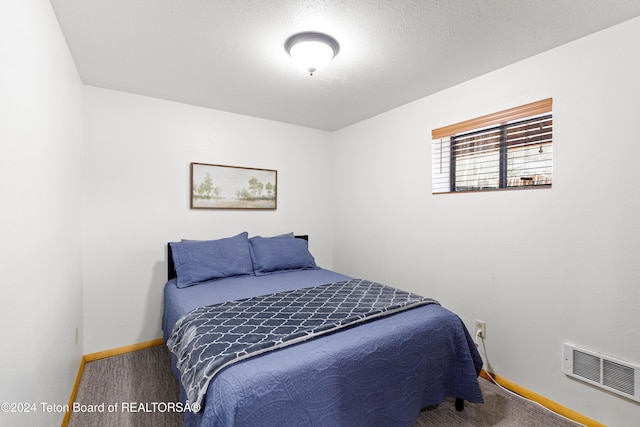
[[229, 54]]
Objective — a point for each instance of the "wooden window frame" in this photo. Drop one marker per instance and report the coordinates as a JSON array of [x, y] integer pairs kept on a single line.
[[502, 122]]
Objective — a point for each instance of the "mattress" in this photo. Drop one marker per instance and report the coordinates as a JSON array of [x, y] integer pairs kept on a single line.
[[382, 372]]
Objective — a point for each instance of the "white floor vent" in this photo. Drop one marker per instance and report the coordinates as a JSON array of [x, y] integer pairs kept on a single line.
[[603, 371]]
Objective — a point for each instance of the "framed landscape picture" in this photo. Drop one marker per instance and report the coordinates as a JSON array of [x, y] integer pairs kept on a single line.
[[233, 187]]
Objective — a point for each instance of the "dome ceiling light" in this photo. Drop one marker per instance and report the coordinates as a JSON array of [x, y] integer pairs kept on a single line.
[[311, 51]]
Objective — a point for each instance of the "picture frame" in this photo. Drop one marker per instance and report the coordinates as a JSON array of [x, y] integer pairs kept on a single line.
[[233, 187]]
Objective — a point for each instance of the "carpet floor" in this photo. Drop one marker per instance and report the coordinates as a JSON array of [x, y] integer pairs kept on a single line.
[[111, 390]]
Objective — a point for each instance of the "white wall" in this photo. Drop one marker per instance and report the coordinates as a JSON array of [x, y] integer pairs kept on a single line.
[[541, 267], [138, 152], [40, 211]]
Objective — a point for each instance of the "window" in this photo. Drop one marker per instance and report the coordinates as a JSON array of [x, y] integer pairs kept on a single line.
[[510, 149]]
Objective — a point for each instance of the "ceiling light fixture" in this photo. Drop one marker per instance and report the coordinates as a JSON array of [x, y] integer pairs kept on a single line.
[[311, 51]]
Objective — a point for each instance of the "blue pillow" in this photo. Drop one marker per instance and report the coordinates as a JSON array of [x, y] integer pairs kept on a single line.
[[281, 253], [198, 262]]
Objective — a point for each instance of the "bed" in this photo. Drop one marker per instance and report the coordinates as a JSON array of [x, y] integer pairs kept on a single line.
[[380, 370]]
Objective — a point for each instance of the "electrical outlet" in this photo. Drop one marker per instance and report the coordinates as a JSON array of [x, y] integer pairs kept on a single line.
[[481, 326]]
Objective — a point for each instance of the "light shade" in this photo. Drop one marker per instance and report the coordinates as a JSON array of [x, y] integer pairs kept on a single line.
[[311, 51]]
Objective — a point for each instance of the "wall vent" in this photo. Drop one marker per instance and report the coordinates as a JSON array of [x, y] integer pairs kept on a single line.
[[606, 372]]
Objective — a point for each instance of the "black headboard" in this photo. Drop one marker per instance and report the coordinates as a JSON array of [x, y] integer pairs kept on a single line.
[[171, 268]]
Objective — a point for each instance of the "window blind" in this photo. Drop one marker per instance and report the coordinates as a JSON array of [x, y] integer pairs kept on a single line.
[[508, 155]]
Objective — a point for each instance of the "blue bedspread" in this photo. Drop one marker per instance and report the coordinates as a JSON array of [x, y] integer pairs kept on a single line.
[[380, 373], [211, 338]]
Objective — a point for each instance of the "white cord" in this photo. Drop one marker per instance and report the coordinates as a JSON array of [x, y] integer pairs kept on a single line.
[[493, 380]]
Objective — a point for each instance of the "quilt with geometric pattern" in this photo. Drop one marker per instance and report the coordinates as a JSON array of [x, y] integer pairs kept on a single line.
[[210, 338]]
